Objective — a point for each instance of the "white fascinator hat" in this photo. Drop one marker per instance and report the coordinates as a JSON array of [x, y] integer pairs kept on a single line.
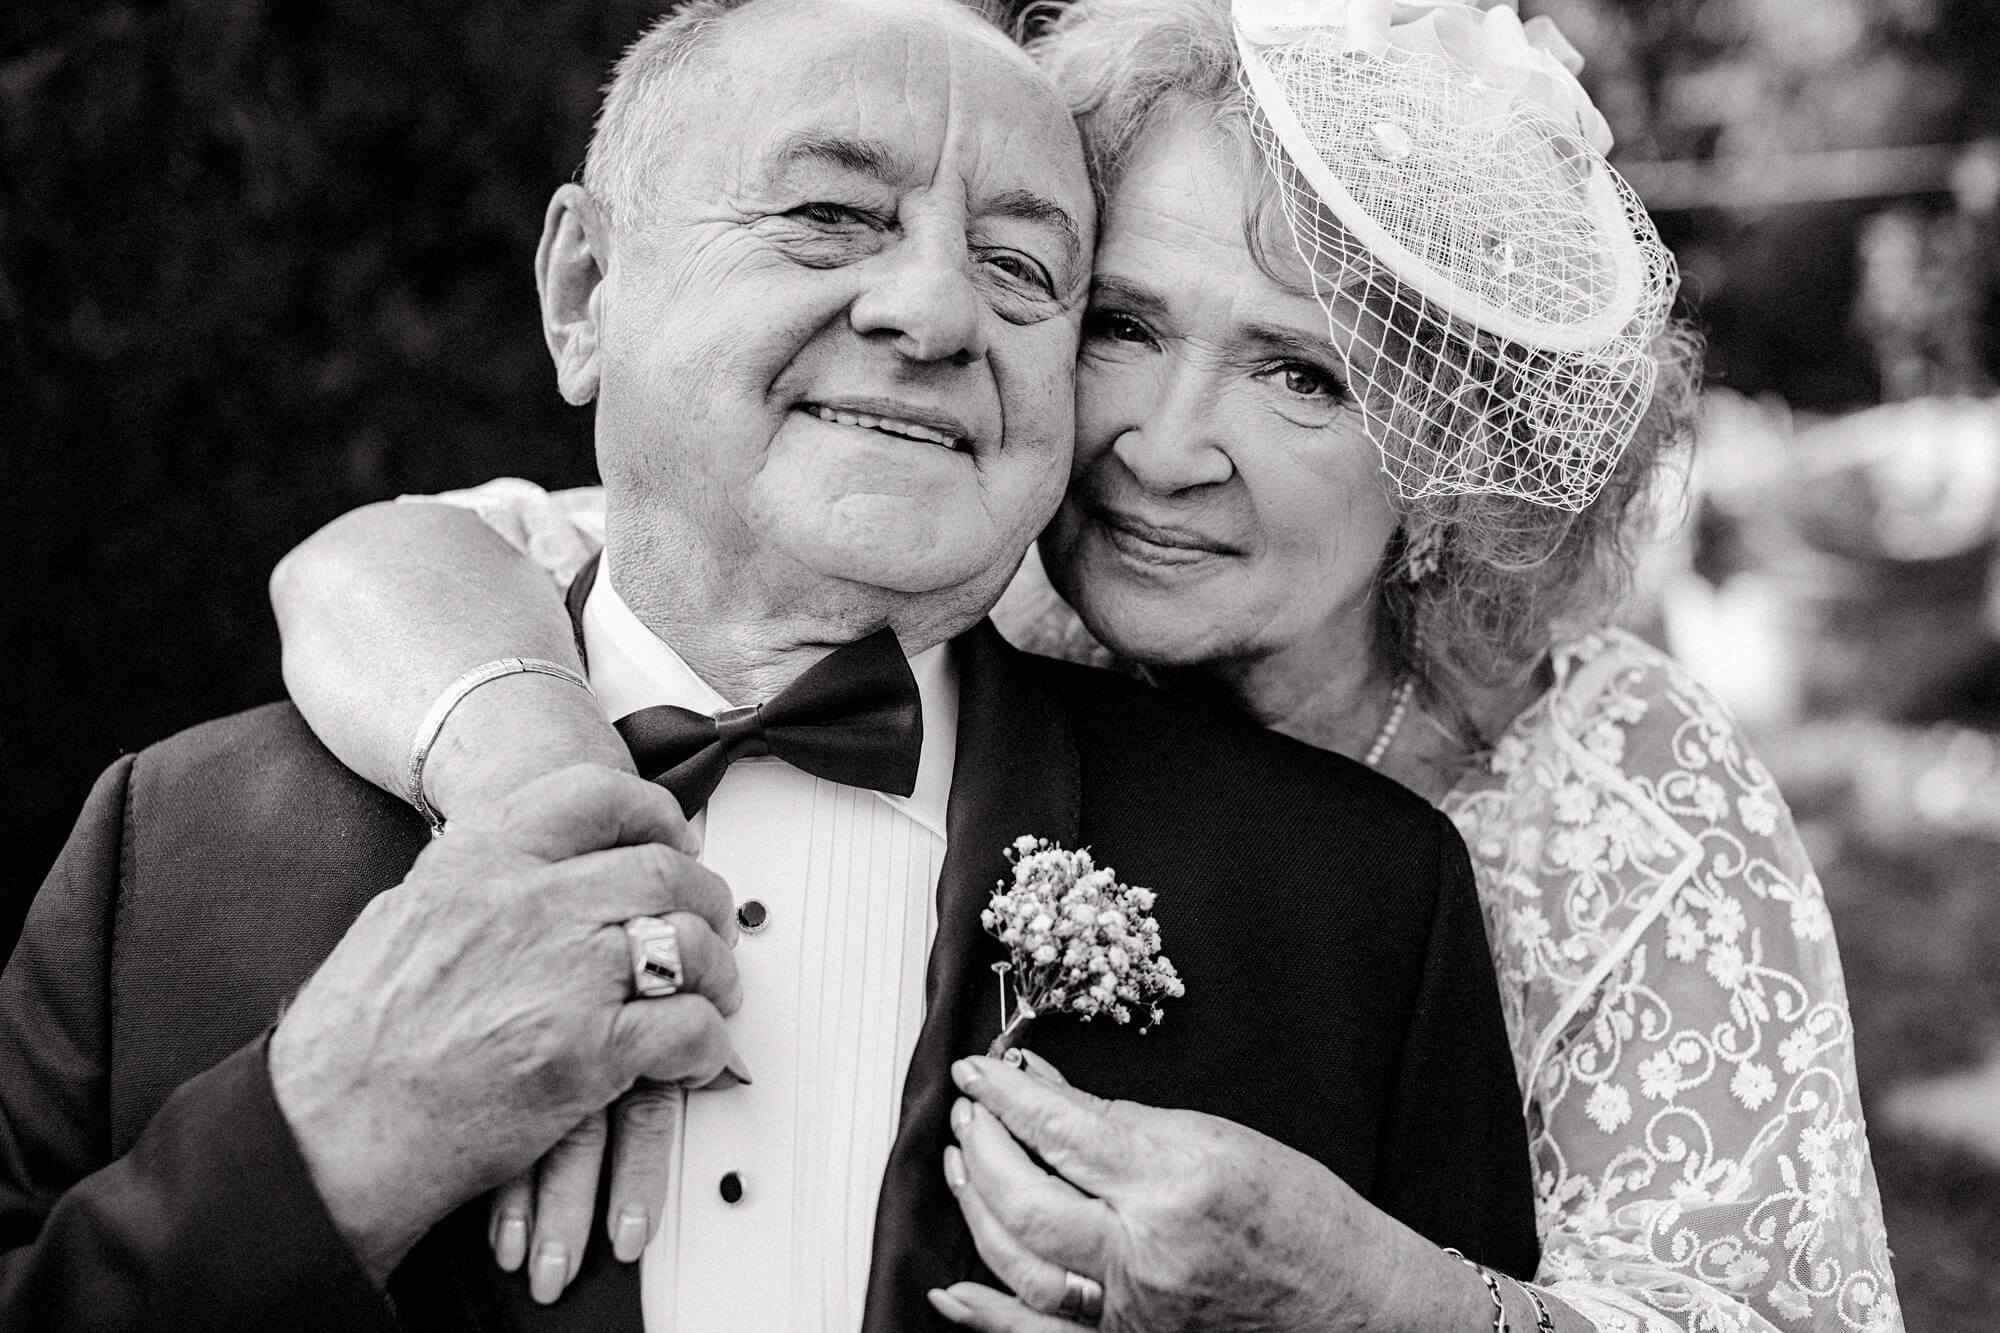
[[1494, 286]]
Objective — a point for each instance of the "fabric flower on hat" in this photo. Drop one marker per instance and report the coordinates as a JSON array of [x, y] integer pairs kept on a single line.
[[1509, 61]]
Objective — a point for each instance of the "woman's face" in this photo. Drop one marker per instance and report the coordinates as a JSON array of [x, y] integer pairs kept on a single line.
[[1224, 505]]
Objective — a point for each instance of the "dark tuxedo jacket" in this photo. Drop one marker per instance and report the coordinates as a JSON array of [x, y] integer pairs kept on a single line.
[[1339, 998]]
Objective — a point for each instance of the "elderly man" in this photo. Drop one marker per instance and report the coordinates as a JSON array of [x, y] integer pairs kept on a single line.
[[823, 286]]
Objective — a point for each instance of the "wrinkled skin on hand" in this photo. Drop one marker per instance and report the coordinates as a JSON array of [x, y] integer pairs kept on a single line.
[[1189, 1221], [475, 1013]]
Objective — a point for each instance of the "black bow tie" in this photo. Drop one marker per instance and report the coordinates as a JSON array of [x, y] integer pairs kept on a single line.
[[853, 717]]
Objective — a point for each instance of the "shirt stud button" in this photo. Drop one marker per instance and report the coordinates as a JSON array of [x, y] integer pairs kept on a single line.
[[731, 1187], [752, 916]]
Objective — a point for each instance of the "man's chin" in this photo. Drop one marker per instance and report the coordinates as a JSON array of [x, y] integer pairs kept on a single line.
[[960, 584]]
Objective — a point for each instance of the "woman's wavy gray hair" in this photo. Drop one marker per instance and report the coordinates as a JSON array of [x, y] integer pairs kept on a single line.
[[1475, 589]]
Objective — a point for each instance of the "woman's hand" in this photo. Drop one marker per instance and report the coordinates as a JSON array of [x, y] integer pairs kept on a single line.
[[509, 732], [380, 612], [543, 1218], [1189, 1221]]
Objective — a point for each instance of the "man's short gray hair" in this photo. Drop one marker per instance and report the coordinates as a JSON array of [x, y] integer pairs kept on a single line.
[[637, 121]]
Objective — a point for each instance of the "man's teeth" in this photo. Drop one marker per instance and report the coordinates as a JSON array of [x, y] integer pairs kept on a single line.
[[888, 424]]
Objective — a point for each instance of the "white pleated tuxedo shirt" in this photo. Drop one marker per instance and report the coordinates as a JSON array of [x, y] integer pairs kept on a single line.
[[833, 998]]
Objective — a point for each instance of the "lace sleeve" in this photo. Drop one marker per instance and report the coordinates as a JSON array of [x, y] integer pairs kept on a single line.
[[1679, 1018], [558, 530]]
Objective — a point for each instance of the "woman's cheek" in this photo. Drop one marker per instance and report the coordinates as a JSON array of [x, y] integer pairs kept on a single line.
[[1111, 398]]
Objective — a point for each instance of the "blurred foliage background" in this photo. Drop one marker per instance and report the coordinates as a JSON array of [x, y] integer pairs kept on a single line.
[[261, 262]]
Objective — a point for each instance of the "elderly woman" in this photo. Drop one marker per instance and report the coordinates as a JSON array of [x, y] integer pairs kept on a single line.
[[1375, 380]]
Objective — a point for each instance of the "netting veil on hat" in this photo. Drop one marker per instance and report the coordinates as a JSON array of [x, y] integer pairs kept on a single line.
[[1492, 284]]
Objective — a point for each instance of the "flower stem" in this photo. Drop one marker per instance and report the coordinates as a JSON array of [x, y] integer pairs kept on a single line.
[[1014, 1034]]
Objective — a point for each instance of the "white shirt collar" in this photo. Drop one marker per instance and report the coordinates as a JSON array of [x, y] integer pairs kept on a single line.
[[633, 668]]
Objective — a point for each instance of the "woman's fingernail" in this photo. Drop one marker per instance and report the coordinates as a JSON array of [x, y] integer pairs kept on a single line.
[[735, 1065], [949, 1305], [954, 1168], [1014, 1057], [510, 1247], [965, 1074], [550, 1273], [628, 1242], [961, 1115]]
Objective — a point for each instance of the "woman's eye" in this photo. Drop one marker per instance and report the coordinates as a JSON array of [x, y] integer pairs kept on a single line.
[[1116, 327], [1306, 381]]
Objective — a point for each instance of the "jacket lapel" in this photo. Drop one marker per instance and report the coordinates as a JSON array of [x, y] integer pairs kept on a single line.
[[1015, 772]]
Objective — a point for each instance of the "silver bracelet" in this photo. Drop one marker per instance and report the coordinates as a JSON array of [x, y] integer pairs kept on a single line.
[[1492, 1284], [1543, 1323], [454, 694]]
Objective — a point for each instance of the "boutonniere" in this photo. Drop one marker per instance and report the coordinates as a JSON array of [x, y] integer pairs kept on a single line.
[[1080, 943]]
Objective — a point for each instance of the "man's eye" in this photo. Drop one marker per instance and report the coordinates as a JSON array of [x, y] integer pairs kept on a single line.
[[833, 215], [1019, 267], [1109, 324]]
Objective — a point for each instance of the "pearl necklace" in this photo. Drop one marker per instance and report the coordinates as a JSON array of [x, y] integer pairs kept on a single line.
[[1399, 708]]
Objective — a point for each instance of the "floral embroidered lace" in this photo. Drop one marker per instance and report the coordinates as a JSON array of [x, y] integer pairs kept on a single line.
[[1680, 1026]]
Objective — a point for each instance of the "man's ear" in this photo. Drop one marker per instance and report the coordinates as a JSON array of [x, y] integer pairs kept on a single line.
[[570, 267]]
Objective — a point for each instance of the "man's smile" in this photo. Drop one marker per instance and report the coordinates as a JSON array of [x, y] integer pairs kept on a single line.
[[898, 419]]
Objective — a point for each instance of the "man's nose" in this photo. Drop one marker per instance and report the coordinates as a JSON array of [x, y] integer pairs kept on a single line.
[[1182, 440], [922, 299]]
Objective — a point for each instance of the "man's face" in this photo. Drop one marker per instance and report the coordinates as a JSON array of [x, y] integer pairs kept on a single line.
[[839, 345]]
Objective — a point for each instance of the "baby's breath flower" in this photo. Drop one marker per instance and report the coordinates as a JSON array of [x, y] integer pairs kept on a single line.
[[1082, 943]]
